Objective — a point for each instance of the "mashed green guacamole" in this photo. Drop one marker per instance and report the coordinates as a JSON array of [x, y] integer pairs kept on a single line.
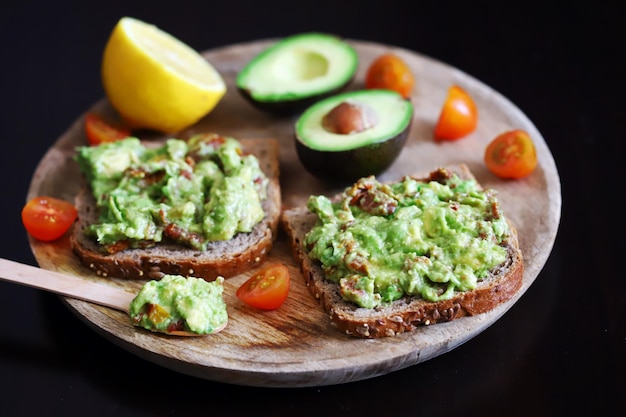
[[176, 303], [193, 192], [420, 238]]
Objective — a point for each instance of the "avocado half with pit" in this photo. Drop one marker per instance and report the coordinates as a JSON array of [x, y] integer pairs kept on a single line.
[[353, 134], [296, 71]]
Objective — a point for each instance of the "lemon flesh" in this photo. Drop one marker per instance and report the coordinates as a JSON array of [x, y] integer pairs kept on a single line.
[[155, 81]]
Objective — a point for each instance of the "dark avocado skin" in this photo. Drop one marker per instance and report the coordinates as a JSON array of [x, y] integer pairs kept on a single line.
[[291, 107], [350, 165]]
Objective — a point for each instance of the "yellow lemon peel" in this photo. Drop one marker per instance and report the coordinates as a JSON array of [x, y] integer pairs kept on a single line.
[[156, 81]]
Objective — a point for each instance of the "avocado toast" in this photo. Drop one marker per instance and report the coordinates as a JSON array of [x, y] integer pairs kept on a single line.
[[175, 243], [456, 257]]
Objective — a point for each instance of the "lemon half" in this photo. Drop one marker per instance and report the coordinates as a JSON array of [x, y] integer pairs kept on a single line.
[[155, 81]]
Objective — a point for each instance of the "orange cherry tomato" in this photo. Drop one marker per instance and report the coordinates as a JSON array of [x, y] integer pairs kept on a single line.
[[99, 131], [48, 218], [511, 155], [390, 72], [458, 117], [267, 289]]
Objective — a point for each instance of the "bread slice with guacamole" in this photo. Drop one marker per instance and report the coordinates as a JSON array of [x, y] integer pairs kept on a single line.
[[383, 259], [207, 206]]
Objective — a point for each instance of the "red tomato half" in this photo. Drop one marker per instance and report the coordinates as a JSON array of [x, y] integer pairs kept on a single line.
[[99, 131], [511, 154], [48, 218], [267, 289], [458, 117]]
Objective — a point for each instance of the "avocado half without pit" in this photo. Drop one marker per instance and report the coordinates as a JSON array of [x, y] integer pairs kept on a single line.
[[296, 71], [354, 134]]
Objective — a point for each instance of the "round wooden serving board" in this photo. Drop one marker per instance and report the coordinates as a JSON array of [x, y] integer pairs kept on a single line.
[[296, 346]]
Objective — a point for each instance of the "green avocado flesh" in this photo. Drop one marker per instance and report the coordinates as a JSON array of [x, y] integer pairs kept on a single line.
[[297, 70], [327, 154], [192, 192], [429, 239], [177, 303]]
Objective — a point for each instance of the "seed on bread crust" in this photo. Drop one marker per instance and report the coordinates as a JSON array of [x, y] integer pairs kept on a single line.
[[363, 330], [155, 273]]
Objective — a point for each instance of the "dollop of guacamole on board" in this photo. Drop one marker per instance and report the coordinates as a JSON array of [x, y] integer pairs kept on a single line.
[[177, 303], [193, 192], [380, 242]]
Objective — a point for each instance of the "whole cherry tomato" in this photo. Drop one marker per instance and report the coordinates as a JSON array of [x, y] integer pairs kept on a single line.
[[99, 131], [48, 218], [390, 72], [511, 154], [458, 117], [267, 288]]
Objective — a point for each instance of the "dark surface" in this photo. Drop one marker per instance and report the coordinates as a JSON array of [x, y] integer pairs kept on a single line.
[[561, 349]]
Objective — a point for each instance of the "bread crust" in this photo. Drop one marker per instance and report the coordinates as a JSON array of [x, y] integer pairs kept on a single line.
[[227, 258], [407, 313]]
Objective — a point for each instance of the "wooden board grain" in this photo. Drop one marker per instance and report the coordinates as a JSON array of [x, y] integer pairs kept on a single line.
[[296, 345]]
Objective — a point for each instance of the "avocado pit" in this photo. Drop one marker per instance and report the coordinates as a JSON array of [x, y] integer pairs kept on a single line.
[[349, 117]]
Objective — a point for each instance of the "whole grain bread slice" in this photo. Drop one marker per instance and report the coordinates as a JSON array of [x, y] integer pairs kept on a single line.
[[407, 313], [224, 258]]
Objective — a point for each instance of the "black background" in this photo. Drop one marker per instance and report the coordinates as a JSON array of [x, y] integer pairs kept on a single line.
[[560, 349]]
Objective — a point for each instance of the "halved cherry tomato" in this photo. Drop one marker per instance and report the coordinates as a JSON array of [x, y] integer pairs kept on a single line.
[[458, 117], [390, 72], [511, 154], [100, 131], [48, 218], [267, 289]]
